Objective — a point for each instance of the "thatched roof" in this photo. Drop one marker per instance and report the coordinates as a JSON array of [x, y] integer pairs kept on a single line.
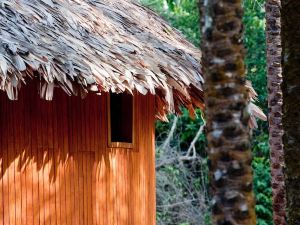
[[99, 46]]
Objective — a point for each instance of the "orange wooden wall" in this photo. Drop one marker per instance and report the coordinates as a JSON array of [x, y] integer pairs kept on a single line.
[[56, 167]]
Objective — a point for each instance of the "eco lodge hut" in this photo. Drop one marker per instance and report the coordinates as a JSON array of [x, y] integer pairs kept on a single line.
[[83, 82]]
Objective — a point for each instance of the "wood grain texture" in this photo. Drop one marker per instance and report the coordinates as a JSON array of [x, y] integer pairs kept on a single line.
[[57, 169]]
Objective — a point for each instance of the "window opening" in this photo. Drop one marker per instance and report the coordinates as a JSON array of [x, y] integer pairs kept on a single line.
[[120, 120]]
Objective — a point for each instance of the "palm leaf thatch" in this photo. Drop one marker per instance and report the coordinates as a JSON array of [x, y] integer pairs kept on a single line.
[[98, 46]]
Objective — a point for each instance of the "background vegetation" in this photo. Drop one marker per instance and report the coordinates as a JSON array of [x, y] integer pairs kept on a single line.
[[176, 179]]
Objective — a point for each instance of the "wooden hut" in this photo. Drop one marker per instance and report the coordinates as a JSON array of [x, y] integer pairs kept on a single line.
[[83, 82], [109, 68]]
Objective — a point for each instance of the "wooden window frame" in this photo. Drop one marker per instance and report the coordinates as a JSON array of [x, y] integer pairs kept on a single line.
[[120, 144]]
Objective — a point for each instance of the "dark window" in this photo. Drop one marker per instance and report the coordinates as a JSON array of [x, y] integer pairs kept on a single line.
[[121, 118]]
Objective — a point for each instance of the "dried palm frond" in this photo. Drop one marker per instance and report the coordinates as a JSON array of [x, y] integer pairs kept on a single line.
[[97, 46]]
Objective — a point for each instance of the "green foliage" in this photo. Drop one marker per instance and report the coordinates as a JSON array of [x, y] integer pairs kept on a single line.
[[255, 42], [184, 15], [181, 14], [262, 178]]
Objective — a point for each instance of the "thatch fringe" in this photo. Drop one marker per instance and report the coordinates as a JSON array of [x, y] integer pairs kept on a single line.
[[97, 45]]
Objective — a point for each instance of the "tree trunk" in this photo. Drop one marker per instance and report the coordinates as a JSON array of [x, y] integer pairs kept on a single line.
[[228, 134], [274, 70], [291, 105]]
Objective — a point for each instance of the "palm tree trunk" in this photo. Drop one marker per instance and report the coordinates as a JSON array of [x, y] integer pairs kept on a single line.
[[228, 134], [274, 70], [291, 105]]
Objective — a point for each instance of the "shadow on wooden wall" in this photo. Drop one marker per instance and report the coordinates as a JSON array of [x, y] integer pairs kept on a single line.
[[56, 167]]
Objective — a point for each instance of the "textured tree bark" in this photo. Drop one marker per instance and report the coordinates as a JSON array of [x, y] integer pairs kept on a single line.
[[274, 70], [226, 111], [291, 105]]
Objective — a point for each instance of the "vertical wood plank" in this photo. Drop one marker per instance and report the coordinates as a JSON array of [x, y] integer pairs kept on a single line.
[[52, 166], [70, 210], [5, 178], [72, 182], [85, 157], [23, 159], [70, 203], [151, 157], [28, 160], [95, 164], [56, 156], [1, 172], [109, 169], [62, 181], [80, 187], [46, 160], [17, 162], [64, 160], [90, 185], [76, 210], [134, 171], [52, 192], [24, 156], [72, 116], [11, 160], [101, 160], [95, 192], [120, 185], [58, 103], [58, 187], [33, 121], [124, 187], [117, 173], [78, 158], [143, 154], [40, 154]]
